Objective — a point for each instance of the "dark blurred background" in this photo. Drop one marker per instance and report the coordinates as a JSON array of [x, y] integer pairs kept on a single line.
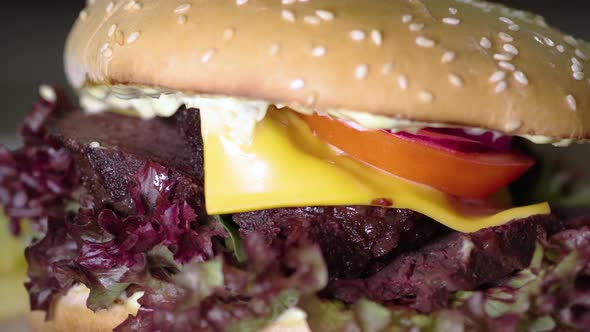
[[34, 33]]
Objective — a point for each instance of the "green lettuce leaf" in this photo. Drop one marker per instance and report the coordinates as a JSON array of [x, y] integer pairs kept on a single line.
[[201, 279], [233, 242], [284, 301]]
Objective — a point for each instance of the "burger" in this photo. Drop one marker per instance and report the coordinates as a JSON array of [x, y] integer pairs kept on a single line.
[[319, 165]]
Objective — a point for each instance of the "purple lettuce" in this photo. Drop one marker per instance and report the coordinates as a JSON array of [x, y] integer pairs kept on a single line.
[[99, 248], [49, 261], [117, 251], [217, 296], [108, 252], [38, 180]]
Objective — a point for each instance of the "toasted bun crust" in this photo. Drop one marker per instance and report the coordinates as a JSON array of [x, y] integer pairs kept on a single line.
[[71, 314], [428, 60]]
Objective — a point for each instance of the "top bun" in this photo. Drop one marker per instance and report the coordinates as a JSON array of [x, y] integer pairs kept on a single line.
[[467, 63]]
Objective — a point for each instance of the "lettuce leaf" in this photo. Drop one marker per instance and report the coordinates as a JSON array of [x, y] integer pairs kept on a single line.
[[233, 242], [553, 293]]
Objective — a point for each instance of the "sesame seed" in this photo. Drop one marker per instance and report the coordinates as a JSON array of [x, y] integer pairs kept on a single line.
[[288, 15], [274, 49], [453, 11], [132, 5], [577, 68], [572, 103], [104, 47], [112, 30], [107, 52], [485, 43], [47, 93], [357, 35], [426, 96], [313, 20], [560, 48], [228, 34], [521, 77], [83, 15], [539, 40], [503, 57], [456, 80], [182, 9], [376, 37], [324, 14], [501, 87], [578, 75], [448, 57], [181, 19], [318, 51], [207, 56], [94, 145], [577, 62], [514, 27], [506, 20], [506, 37], [451, 20], [402, 81], [361, 71], [510, 49], [425, 42], [497, 76], [549, 42], [297, 84], [241, 2], [581, 55], [133, 37], [110, 7], [513, 126], [387, 68], [416, 26], [506, 65], [407, 18], [288, 2], [570, 40]]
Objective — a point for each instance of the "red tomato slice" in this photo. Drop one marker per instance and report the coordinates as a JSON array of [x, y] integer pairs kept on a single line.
[[457, 173]]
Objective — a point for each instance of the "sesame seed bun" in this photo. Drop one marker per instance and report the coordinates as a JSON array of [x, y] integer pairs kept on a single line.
[[71, 314], [468, 63]]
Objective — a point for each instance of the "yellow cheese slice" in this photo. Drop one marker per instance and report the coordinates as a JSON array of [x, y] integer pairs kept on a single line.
[[287, 166]]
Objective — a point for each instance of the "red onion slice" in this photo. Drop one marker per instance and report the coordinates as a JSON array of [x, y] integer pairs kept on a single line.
[[461, 140]]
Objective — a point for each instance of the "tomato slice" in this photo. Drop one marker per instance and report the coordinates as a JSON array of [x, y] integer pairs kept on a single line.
[[463, 174]]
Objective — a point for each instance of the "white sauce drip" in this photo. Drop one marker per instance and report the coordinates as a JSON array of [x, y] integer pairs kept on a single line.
[[239, 116]]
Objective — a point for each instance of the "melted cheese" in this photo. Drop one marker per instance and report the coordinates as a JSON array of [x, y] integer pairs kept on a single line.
[[285, 165]]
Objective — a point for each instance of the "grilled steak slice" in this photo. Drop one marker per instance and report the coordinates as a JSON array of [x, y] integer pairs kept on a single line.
[[125, 145], [425, 279], [355, 240]]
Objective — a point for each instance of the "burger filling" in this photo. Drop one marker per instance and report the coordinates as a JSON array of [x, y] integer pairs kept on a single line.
[[224, 227]]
